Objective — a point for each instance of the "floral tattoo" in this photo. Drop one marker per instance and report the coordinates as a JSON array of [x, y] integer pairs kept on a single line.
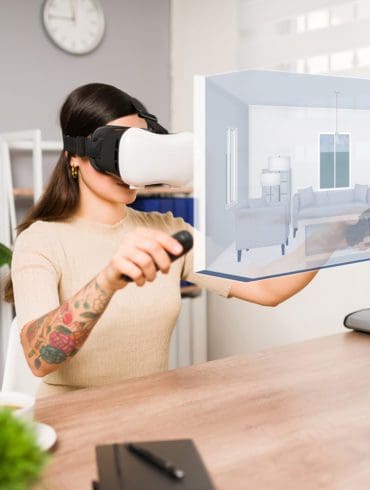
[[60, 334]]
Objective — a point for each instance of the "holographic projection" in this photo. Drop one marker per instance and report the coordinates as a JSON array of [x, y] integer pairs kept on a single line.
[[281, 173]]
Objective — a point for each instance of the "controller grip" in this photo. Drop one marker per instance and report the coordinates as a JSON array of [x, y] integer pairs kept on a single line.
[[186, 240], [357, 232]]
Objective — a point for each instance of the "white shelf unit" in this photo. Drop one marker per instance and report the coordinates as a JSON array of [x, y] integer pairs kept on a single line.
[[27, 140]]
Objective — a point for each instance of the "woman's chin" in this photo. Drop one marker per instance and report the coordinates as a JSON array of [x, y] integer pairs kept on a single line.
[[127, 195]]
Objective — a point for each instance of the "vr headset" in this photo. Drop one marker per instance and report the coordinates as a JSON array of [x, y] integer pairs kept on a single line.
[[140, 157]]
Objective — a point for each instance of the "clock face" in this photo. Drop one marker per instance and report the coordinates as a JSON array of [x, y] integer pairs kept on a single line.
[[76, 26]]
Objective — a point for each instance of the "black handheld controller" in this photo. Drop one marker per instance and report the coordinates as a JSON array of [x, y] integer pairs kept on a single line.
[[186, 240]]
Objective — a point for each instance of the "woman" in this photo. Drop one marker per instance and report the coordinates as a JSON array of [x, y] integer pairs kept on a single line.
[[71, 251]]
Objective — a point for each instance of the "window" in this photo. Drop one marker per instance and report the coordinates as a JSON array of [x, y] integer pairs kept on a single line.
[[363, 56], [333, 38], [343, 60], [362, 8], [232, 167], [318, 19], [301, 65], [301, 23], [318, 64], [334, 160], [343, 14], [284, 27]]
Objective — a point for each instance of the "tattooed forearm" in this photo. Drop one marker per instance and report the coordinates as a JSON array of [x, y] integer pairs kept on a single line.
[[58, 335]]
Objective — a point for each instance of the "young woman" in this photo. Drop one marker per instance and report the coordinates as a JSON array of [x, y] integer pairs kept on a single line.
[[82, 325]]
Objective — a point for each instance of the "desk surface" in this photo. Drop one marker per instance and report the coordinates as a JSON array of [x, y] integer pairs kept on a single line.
[[291, 417]]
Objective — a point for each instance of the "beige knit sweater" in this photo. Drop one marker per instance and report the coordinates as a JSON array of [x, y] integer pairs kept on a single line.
[[53, 260]]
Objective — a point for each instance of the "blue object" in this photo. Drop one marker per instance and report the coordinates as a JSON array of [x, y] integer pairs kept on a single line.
[[181, 207]]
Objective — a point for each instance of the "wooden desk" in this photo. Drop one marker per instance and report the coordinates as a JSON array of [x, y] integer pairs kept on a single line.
[[295, 417]]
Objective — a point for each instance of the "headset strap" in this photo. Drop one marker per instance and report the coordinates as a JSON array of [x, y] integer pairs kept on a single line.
[[75, 144], [151, 119], [81, 146]]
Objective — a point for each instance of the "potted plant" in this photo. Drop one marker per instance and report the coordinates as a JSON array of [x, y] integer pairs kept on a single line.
[[22, 459], [5, 255]]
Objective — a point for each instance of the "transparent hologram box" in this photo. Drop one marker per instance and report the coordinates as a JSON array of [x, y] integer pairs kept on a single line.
[[281, 173]]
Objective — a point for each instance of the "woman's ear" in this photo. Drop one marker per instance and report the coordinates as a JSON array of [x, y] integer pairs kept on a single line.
[[76, 161]]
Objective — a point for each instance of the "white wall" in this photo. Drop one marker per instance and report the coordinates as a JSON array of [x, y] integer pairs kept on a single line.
[[236, 326], [295, 131], [36, 76], [204, 40], [268, 40]]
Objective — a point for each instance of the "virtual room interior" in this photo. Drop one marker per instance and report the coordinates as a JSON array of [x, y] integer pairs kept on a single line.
[[286, 167]]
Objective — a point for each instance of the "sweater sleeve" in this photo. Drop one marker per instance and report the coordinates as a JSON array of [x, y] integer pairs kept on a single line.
[[35, 274], [217, 285]]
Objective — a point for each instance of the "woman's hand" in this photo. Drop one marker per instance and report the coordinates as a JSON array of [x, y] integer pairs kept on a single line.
[[137, 256]]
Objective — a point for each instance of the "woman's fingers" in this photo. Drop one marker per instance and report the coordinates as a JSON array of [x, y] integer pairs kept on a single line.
[[158, 244], [145, 262], [155, 250], [141, 254], [167, 241], [127, 267]]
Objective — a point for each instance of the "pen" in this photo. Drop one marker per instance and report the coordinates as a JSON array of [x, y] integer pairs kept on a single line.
[[159, 462]]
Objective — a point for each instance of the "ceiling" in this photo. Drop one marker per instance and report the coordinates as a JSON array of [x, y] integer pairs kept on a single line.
[[258, 87]]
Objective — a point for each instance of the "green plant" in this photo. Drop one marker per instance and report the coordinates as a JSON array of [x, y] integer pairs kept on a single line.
[[5, 255], [21, 459]]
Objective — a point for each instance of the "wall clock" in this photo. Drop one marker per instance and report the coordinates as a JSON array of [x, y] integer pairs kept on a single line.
[[76, 26]]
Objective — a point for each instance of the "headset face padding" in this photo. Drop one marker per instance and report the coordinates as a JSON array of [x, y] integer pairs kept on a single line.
[[146, 158], [103, 148]]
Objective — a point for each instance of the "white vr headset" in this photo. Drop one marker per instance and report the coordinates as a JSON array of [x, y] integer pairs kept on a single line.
[[140, 157]]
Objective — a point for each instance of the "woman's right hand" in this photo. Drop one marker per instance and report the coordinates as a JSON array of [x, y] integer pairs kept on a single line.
[[137, 256]]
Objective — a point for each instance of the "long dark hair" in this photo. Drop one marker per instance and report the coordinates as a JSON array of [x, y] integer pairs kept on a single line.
[[86, 108]]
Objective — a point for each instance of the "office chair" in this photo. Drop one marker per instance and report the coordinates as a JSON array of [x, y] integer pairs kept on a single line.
[[17, 373]]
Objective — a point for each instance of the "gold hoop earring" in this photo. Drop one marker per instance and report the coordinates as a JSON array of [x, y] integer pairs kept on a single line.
[[74, 171]]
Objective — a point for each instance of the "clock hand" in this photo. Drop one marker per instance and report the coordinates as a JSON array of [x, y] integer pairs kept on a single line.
[[73, 10], [60, 17]]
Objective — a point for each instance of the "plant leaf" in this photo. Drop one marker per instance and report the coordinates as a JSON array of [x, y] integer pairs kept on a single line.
[[22, 459], [5, 255]]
